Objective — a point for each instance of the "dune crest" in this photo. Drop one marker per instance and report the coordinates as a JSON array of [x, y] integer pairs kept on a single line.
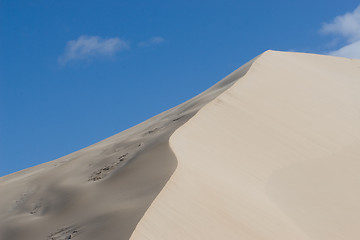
[[102, 191]]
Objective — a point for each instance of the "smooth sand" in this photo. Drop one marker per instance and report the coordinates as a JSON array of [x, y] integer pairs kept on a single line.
[[270, 152], [276, 156]]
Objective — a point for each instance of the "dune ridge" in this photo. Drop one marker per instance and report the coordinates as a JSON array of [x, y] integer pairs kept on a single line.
[[102, 191]]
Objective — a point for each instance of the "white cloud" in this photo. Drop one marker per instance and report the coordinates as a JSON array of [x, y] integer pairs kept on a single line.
[[88, 47], [152, 41], [351, 50], [346, 26]]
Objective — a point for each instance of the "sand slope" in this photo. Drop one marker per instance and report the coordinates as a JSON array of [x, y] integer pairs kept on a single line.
[[270, 152], [276, 156]]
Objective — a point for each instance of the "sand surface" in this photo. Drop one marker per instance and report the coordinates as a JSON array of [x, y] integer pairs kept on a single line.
[[270, 152]]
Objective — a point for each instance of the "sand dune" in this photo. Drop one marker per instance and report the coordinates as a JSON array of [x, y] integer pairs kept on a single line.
[[270, 152]]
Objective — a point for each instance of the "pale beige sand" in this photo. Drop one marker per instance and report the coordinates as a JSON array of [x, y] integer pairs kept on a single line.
[[277, 156], [270, 152]]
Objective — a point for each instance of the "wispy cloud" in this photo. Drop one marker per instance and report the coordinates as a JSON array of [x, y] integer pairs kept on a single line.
[[89, 47], [151, 42], [351, 50], [346, 26]]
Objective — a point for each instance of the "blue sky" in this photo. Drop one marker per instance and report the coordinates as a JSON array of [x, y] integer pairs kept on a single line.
[[75, 72]]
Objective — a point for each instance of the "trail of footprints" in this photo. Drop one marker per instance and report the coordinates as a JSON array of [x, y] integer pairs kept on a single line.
[[65, 233], [101, 173]]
